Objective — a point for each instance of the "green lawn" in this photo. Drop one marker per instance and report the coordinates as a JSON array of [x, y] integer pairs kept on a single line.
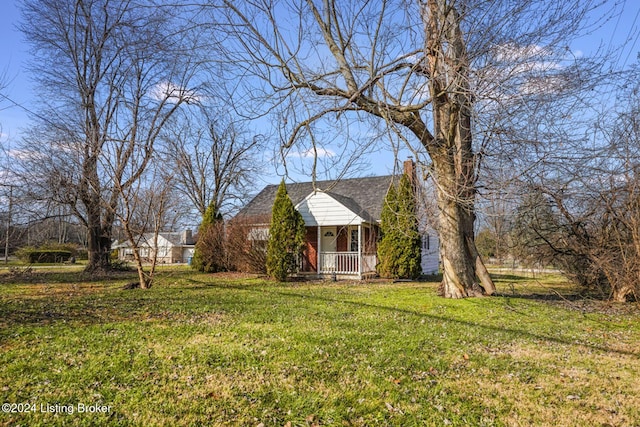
[[204, 350]]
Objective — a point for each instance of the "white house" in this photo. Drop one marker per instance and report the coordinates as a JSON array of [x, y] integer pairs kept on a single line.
[[171, 247], [342, 221]]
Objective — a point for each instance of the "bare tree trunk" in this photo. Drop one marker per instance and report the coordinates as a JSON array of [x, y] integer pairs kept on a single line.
[[622, 292], [142, 276], [458, 265], [99, 250], [460, 258], [451, 151], [481, 270], [8, 228], [99, 241], [146, 279], [143, 279]]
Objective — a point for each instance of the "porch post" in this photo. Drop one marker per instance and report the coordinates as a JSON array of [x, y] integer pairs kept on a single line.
[[319, 250], [360, 250]]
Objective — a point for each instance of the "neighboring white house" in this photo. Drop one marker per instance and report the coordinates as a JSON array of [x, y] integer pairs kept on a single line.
[[430, 252], [171, 247], [342, 222]]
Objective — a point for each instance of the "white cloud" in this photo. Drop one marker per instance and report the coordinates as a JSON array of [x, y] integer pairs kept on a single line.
[[310, 153], [525, 59], [173, 92], [8, 177], [24, 154], [544, 85], [536, 70]]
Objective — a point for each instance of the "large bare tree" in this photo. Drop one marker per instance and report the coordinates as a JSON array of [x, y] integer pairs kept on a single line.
[[111, 73], [213, 160], [434, 72]]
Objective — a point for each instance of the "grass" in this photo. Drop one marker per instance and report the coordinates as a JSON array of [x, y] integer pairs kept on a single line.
[[207, 350]]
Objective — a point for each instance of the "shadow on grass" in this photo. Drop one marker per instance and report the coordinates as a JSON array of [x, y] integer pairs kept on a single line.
[[132, 307], [509, 277], [78, 308], [541, 297], [85, 305], [462, 323], [30, 276], [12, 316]]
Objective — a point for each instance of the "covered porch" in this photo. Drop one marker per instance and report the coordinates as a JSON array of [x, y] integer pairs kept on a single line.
[[341, 237], [347, 264], [347, 251]]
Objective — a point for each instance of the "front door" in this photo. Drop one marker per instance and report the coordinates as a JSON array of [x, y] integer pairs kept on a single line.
[[328, 241]]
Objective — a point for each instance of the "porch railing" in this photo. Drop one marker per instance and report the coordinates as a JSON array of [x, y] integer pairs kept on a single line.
[[346, 263]]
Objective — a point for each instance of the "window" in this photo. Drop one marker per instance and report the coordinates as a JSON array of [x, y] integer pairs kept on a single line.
[[259, 234], [354, 240]]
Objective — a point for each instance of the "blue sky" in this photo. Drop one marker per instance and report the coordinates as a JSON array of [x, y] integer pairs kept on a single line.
[[14, 56]]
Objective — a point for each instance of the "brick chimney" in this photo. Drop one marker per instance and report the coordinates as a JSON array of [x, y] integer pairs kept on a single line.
[[187, 237], [409, 169]]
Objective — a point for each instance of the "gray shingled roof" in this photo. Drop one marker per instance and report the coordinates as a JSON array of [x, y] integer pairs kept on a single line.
[[176, 238], [364, 196]]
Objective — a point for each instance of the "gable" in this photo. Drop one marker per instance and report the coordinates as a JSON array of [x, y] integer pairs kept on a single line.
[[148, 240], [362, 196], [320, 208]]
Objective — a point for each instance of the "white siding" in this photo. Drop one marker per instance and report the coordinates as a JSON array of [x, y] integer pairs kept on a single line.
[[187, 252], [167, 252], [430, 253], [321, 209], [163, 249]]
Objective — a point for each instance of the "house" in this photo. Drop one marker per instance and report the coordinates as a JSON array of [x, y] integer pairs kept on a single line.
[[171, 248], [342, 221]]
